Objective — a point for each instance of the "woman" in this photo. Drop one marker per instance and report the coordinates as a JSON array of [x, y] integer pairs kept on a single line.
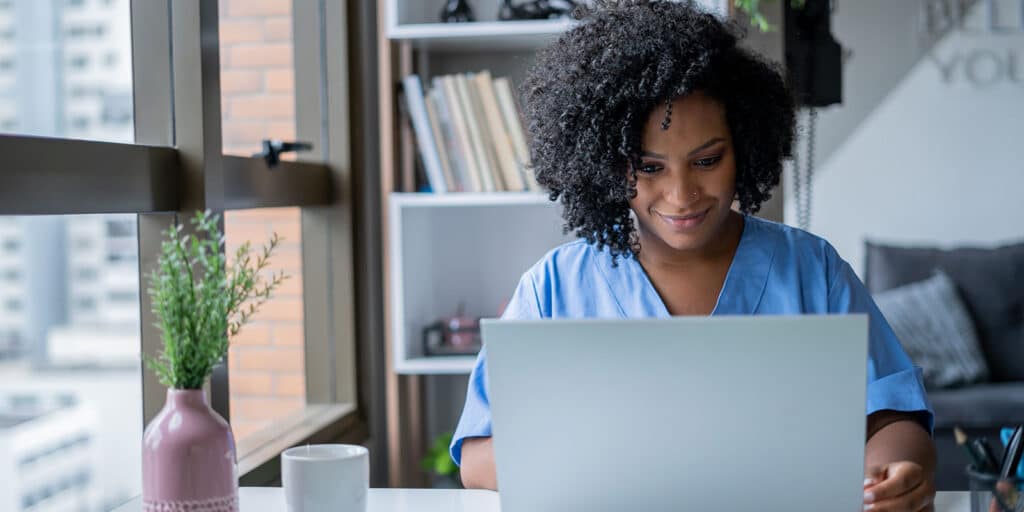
[[650, 124]]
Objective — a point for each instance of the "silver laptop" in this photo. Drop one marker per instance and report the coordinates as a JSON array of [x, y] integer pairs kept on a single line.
[[702, 413]]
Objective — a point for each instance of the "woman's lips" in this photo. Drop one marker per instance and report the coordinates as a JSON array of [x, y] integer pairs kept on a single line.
[[684, 222]]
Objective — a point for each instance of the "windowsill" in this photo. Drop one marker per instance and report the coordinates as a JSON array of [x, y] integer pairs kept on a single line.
[[266, 445]]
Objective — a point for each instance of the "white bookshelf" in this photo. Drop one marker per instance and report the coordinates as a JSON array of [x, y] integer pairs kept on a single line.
[[481, 35], [452, 249], [464, 199], [418, 21]]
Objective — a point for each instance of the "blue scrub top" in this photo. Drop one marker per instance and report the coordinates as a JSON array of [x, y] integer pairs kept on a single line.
[[777, 270]]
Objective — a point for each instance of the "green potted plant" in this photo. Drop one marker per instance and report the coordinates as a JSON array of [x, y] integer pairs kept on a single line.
[[752, 8], [438, 462], [199, 299]]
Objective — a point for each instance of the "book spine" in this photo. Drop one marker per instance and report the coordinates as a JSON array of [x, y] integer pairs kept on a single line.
[[439, 142], [500, 141], [503, 90], [461, 126], [475, 135], [425, 141], [449, 137]]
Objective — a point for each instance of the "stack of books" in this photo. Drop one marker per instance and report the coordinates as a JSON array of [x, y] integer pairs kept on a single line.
[[469, 134]]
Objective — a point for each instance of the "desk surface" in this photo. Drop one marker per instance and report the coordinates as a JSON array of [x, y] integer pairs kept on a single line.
[[271, 499]]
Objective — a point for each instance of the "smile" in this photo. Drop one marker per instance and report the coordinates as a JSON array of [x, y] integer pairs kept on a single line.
[[684, 222]]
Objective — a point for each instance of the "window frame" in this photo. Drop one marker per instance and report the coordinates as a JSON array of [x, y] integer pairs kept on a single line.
[[176, 166]]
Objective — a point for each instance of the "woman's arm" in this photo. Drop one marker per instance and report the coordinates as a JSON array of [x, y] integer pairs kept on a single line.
[[478, 464], [899, 462]]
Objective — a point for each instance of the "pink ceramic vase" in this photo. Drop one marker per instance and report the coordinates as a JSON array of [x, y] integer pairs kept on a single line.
[[188, 458]]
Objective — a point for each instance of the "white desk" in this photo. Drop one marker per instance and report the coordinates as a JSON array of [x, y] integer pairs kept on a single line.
[[271, 499]]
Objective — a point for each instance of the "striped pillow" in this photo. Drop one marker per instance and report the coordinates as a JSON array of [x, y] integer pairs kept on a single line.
[[932, 324]]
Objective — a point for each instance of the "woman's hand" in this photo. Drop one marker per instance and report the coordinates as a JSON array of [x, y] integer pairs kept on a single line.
[[898, 487]]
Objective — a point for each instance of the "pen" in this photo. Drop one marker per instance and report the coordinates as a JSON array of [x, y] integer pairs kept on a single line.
[[1005, 434], [972, 452], [1012, 453], [984, 450]]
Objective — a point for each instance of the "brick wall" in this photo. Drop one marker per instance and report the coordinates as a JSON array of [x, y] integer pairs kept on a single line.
[[258, 101], [257, 79]]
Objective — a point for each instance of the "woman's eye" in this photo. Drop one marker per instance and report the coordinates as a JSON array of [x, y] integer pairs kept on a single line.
[[649, 169], [707, 162]]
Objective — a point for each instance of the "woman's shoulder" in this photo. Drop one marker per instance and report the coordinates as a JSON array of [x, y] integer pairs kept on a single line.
[[792, 242], [566, 260], [570, 280]]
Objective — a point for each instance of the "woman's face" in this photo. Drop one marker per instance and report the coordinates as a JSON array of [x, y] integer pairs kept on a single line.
[[687, 178]]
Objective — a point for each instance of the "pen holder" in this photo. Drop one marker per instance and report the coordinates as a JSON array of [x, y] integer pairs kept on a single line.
[[990, 494]]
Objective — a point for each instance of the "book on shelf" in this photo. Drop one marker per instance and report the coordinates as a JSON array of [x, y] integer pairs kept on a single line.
[[457, 138], [446, 139], [506, 161], [510, 114], [468, 133], [484, 161], [425, 137]]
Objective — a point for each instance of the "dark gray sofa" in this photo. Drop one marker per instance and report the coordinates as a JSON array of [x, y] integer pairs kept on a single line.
[[991, 283]]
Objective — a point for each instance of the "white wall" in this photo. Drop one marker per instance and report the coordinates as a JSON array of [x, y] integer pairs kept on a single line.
[[933, 162]]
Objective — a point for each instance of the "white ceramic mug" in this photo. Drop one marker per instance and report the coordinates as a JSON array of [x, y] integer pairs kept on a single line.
[[319, 477]]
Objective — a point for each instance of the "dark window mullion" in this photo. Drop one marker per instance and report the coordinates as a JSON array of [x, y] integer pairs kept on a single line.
[[50, 176], [248, 183]]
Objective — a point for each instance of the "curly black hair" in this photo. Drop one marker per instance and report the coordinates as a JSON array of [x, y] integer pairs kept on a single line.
[[587, 98]]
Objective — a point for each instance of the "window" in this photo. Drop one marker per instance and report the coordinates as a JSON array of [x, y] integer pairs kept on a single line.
[[86, 304], [257, 75], [101, 399], [78, 62], [86, 267], [118, 296], [49, 65], [77, 31], [120, 229], [267, 377], [116, 109], [120, 257], [258, 102], [20, 402]]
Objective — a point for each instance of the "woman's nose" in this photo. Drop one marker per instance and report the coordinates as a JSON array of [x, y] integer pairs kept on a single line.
[[684, 192]]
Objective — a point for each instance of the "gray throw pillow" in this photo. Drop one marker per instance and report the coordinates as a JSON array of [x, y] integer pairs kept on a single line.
[[988, 280], [932, 324]]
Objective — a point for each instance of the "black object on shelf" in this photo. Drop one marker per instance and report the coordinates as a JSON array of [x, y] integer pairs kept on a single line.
[[458, 335], [814, 59], [457, 11], [536, 10]]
